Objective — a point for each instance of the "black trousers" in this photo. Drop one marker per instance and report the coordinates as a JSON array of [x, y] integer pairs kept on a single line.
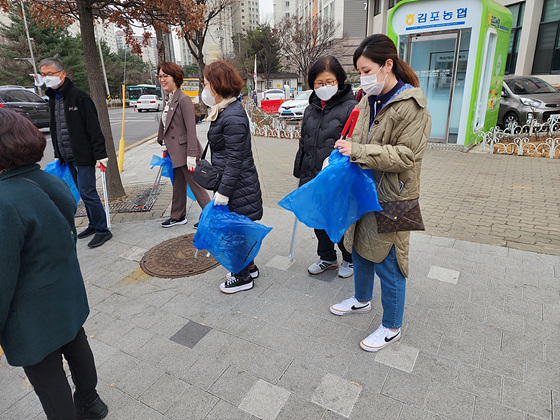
[[51, 386], [325, 247]]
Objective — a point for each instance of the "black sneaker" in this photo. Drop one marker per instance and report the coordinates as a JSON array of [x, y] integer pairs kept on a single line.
[[99, 240], [172, 222], [253, 272], [236, 284], [93, 411], [87, 232], [196, 225]]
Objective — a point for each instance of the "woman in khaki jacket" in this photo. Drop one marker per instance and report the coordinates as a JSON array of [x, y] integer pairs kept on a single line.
[[177, 132], [390, 138]]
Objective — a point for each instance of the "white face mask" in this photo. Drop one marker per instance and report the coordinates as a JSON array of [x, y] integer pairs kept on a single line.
[[370, 85], [51, 81], [207, 97], [326, 92]]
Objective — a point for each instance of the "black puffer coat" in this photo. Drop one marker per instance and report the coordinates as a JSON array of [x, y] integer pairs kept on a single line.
[[321, 128], [230, 143]]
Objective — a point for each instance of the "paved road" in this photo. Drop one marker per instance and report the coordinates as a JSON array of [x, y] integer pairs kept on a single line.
[[137, 125]]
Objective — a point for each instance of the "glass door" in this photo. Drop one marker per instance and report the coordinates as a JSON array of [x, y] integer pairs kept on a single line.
[[434, 57]]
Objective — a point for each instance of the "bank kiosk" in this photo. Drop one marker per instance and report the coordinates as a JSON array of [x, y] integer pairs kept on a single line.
[[459, 50]]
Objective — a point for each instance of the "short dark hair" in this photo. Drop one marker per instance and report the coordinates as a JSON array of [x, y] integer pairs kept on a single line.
[[21, 143], [224, 79], [173, 70], [329, 64]]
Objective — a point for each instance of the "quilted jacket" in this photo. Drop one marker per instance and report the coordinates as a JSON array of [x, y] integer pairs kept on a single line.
[[393, 148]]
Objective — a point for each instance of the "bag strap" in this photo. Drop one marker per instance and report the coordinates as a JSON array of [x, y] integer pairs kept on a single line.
[[73, 229], [205, 150]]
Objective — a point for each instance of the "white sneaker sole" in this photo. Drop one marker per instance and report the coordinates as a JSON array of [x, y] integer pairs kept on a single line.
[[232, 290], [332, 267], [183, 222], [374, 349], [352, 311], [253, 275]]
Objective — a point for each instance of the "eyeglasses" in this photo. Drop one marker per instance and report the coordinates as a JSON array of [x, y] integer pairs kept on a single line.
[[325, 83], [163, 76], [55, 73]]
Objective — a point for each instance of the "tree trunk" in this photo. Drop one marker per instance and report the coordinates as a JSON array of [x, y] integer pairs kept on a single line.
[[97, 88], [160, 45]]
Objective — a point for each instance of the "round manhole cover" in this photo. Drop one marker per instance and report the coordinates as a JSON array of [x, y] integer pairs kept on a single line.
[[175, 258]]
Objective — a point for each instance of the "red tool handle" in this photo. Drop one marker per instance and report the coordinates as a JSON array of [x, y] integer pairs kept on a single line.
[[350, 124], [102, 167]]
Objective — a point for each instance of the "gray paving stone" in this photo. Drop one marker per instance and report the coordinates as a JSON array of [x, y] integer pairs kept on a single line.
[[300, 347], [280, 262], [522, 345], [121, 405], [166, 355], [478, 382], [460, 349], [150, 414], [232, 355], [101, 351], [332, 359], [337, 394], [504, 320], [532, 311], [28, 407], [400, 356], [138, 379], [264, 400], [409, 412], [163, 393], [543, 374], [329, 331], [371, 404], [449, 402], [116, 367], [203, 372], [301, 379], [133, 340], [405, 387], [270, 336], [298, 408], [269, 365], [529, 398], [478, 332], [225, 411], [503, 363], [367, 372], [193, 402], [435, 368], [485, 409], [444, 274], [214, 343], [190, 334], [241, 325], [443, 321], [233, 385], [133, 254]]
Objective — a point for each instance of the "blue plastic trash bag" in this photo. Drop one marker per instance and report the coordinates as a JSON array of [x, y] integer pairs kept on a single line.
[[336, 198], [63, 172], [168, 171], [234, 240]]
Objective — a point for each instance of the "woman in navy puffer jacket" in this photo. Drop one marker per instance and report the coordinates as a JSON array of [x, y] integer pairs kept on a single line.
[[230, 143]]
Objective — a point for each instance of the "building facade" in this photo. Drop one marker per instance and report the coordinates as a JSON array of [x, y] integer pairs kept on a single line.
[[534, 45]]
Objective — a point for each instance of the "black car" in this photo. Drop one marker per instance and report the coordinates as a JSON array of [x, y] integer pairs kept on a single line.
[[26, 103]]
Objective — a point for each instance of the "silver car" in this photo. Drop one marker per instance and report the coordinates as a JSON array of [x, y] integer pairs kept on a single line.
[[525, 98]]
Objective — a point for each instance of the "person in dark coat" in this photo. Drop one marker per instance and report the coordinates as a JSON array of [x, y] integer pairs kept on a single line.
[[43, 302], [229, 137], [78, 142], [177, 132], [329, 108]]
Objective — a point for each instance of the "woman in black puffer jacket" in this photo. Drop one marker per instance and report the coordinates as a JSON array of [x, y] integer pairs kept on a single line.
[[329, 107], [230, 143]]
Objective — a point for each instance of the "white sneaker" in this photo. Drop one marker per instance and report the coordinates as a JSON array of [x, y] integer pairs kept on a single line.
[[322, 265], [350, 306], [382, 337], [346, 269]]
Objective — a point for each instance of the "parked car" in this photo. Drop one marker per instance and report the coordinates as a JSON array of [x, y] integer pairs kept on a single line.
[[294, 109], [272, 94], [26, 103], [527, 97], [149, 103]]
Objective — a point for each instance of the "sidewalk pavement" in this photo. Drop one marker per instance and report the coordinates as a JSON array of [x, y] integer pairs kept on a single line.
[[481, 328]]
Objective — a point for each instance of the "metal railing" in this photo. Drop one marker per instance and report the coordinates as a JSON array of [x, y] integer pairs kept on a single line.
[[268, 125]]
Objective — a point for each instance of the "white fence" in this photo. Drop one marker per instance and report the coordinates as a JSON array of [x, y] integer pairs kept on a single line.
[[268, 125], [530, 139]]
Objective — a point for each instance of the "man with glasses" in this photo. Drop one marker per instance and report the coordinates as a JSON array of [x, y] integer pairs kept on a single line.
[[78, 142]]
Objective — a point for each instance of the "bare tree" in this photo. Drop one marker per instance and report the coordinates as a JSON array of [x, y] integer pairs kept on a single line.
[[305, 39]]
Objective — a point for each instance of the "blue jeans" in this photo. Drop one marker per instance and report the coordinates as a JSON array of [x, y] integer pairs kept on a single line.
[[393, 285], [84, 177]]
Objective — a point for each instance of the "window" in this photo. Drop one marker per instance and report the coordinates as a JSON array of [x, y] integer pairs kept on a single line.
[[518, 11], [287, 4], [547, 52], [392, 3], [377, 7], [31, 97]]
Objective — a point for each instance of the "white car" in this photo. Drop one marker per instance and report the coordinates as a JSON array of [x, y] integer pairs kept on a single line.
[[149, 103], [271, 94], [295, 107]]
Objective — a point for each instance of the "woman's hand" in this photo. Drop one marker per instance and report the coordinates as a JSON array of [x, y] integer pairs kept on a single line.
[[220, 199], [191, 163], [344, 147]]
